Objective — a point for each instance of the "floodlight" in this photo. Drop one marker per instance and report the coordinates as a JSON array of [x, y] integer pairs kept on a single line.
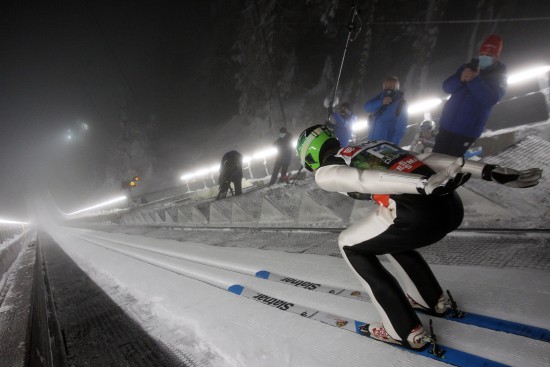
[[5, 221], [528, 74], [202, 172], [424, 106], [360, 125], [266, 153], [112, 201], [187, 176]]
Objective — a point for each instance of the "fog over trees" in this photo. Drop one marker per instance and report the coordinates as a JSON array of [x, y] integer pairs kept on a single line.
[[165, 88]]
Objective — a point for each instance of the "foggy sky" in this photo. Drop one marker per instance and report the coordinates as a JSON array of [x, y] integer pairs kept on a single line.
[[64, 62], [67, 62]]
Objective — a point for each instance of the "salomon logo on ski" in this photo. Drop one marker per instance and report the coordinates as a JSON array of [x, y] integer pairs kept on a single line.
[[301, 283], [273, 302]]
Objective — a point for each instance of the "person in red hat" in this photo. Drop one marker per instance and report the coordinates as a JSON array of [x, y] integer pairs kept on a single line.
[[474, 88]]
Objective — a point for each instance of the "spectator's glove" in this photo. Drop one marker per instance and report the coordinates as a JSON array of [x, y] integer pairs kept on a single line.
[[335, 102], [511, 177], [446, 181]]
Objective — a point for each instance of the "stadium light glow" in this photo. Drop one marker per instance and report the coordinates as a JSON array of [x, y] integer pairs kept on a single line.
[[260, 156], [424, 106], [112, 201], [187, 176], [265, 153], [5, 221], [528, 74], [360, 125], [202, 172]]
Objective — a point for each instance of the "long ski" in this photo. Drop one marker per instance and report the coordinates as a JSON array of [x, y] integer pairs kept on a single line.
[[437, 352], [469, 318]]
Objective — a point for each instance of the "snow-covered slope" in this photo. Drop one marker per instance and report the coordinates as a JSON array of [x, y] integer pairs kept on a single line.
[[177, 289], [178, 294]]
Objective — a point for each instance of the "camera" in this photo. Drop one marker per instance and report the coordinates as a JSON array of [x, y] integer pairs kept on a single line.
[[389, 93], [473, 64]]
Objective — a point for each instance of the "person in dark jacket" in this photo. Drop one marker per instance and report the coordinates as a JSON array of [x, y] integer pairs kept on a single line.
[[286, 150], [231, 171], [474, 90], [342, 122], [389, 113]]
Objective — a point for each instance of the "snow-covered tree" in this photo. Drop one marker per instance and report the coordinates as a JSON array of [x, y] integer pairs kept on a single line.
[[130, 154], [423, 46]]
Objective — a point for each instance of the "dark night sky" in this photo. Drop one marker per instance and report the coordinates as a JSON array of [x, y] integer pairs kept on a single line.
[[64, 62], [68, 61]]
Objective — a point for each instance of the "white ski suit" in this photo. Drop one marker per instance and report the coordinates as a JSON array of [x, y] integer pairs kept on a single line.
[[405, 220]]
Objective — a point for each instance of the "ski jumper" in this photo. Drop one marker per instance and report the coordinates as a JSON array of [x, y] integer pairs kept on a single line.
[[402, 223]]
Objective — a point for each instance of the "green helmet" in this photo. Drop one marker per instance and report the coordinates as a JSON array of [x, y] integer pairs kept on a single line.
[[312, 143]]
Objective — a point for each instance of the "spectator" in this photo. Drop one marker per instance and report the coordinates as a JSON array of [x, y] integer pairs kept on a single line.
[[342, 122], [475, 88], [424, 140], [231, 171], [388, 113], [286, 150]]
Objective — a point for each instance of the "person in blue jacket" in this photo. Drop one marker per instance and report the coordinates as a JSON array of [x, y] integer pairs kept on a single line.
[[389, 113], [475, 88], [342, 122]]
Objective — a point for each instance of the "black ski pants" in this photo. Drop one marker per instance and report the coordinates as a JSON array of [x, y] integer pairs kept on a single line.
[[279, 165], [418, 221], [452, 144]]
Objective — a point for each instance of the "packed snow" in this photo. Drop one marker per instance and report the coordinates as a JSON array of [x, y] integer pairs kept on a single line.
[[180, 295], [177, 289]]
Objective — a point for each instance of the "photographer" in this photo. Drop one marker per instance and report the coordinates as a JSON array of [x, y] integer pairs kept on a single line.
[[475, 88], [388, 113], [342, 122]]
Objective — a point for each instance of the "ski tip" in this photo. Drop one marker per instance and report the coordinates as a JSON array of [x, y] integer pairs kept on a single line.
[[236, 288], [264, 274]]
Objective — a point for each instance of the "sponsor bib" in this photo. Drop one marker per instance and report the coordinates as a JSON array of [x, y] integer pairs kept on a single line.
[[379, 155]]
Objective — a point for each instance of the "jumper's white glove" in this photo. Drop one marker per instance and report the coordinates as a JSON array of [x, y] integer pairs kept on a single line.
[[511, 177], [446, 181]]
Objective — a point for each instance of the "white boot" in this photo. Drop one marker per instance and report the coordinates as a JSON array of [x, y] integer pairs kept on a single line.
[[440, 309], [415, 340]]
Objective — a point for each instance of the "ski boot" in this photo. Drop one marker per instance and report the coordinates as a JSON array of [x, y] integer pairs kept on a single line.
[[443, 308], [285, 179], [440, 309], [417, 339]]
